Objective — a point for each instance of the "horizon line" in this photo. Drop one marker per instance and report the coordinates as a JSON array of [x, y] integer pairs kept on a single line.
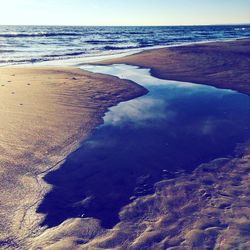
[[109, 25]]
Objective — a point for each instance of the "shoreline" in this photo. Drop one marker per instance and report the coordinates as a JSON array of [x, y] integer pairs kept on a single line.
[[100, 58], [76, 62]]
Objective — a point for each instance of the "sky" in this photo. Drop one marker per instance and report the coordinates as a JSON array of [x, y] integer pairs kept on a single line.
[[123, 12]]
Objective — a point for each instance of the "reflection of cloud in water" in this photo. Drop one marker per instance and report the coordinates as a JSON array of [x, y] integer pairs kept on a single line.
[[208, 126], [138, 112]]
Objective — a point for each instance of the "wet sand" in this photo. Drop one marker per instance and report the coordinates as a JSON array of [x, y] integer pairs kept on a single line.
[[45, 113], [220, 64]]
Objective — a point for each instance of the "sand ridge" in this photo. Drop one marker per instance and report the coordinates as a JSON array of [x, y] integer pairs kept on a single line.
[[220, 64]]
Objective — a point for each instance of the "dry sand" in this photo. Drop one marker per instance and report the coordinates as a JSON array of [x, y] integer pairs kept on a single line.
[[220, 64], [44, 114]]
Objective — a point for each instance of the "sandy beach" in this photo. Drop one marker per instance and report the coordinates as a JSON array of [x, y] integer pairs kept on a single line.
[[220, 64], [45, 114]]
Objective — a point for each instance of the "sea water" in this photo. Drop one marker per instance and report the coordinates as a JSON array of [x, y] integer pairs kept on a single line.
[[57, 44]]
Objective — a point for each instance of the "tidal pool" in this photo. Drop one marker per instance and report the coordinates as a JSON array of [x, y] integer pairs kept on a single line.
[[171, 130]]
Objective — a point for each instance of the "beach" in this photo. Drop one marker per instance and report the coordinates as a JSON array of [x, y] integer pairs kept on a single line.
[[47, 112], [220, 64]]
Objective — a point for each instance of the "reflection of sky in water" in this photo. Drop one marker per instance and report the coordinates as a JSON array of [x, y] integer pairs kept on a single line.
[[138, 112], [173, 128], [157, 104]]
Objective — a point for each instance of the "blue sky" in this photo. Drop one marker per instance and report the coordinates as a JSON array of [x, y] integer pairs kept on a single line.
[[124, 12]]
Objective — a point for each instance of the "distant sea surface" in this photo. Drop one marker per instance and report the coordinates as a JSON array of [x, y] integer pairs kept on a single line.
[[32, 44]]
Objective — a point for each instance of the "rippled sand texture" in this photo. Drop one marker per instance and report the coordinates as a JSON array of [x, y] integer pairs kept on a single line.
[[208, 209], [44, 114]]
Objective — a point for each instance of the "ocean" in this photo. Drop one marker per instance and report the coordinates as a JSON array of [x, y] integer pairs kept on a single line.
[[36, 44]]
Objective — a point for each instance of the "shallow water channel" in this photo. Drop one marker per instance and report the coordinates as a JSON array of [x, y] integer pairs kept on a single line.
[[171, 130]]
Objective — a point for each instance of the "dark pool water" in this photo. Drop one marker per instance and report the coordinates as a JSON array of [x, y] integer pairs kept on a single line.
[[171, 130]]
